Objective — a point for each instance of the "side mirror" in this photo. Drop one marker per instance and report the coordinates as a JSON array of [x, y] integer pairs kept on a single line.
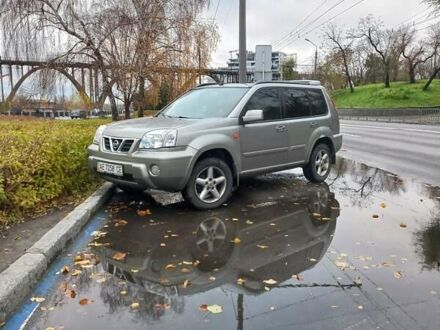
[[253, 116]]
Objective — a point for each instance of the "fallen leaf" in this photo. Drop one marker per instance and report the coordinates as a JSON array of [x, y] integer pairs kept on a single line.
[[240, 281], [134, 270], [123, 293], [185, 270], [85, 301], [360, 307], [316, 215], [65, 270], [237, 240], [212, 278], [143, 213], [98, 234], [163, 244], [298, 277], [186, 284], [270, 281], [101, 280], [215, 309], [398, 274], [262, 246], [342, 265], [383, 205], [120, 223], [135, 305], [234, 219], [119, 256], [403, 225], [76, 272], [38, 299], [82, 262], [249, 222], [388, 264], [312, 259], [170, 266], [187, 262]]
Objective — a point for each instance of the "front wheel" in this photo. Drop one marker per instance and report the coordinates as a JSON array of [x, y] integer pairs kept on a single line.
[[319, 166], [210, 184]]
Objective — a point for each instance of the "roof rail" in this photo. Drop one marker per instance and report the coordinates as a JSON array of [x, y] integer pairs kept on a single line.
[[295, 82]]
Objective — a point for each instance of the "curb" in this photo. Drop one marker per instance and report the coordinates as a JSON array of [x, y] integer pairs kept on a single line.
[[17, 281]]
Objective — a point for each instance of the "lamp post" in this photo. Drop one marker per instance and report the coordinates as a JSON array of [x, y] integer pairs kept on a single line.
[[242, 73], [316, 57]]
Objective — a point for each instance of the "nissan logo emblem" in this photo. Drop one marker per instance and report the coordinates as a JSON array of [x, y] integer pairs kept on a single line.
[[115, 144]]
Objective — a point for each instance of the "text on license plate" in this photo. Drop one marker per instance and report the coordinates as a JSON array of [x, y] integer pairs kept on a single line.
[[110, 169]]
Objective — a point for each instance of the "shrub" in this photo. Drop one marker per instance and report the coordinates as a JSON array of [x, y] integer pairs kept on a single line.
[[42, 163]]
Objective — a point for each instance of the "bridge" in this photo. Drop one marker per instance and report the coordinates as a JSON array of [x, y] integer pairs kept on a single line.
[[87, 80]]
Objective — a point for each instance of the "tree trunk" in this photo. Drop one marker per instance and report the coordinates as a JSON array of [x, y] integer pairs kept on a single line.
[[387, 79], [437, 71], [127, 104], [141, 97], [114, 107], [412, 74], [347, 72]]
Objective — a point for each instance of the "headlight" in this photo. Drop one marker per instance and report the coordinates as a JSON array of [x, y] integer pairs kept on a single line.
[[161, 138], [98, 134]]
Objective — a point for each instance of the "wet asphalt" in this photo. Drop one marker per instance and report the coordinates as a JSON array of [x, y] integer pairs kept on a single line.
[[361, 251]]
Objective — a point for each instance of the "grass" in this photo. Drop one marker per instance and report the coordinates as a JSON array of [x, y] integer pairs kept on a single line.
[[400, 95]]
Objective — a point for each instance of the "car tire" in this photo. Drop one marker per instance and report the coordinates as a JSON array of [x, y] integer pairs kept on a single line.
[[319, 166], [210, 184]]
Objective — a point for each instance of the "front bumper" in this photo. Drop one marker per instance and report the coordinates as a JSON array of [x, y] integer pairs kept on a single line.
[[175, 167]]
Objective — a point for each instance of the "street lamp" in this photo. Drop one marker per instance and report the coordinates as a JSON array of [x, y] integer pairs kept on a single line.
[[316, 56]]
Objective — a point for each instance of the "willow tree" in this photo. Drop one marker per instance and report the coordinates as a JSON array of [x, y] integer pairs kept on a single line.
[[122, 38]]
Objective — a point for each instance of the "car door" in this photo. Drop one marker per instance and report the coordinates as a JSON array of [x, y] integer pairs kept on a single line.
[[264, 144], [297, 114]]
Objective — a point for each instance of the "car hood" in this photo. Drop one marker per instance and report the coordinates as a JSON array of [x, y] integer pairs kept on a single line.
[[136, 128]]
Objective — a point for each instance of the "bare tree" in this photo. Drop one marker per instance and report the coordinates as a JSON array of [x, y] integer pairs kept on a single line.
[[434, 41], [344, 47], [414, 52], [383, 41]]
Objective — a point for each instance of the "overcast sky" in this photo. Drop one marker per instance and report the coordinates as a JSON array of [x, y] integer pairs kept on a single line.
[[268, 21]]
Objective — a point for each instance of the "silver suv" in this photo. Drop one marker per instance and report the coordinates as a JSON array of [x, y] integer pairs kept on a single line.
[[210, 137]]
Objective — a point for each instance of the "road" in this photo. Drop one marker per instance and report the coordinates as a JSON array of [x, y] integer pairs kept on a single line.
[[358, 252], [408, 150]]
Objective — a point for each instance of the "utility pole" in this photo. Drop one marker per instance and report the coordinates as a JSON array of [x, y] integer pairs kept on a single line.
[[242, 75], [316, 58]]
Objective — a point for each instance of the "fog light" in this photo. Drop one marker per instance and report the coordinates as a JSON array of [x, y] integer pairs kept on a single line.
[[155, 170]]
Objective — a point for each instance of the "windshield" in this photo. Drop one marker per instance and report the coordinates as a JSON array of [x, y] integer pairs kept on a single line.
[[205, 103]]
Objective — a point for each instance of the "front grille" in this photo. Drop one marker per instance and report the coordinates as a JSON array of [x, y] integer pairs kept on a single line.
[[117, 144]]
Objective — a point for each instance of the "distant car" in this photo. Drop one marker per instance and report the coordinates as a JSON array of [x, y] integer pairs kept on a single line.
[[208, 139], [78, 114], [97, 113]]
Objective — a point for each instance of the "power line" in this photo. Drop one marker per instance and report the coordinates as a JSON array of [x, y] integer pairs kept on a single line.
[[216, 10], [304, 20], [314, 20], [322, 24], [412, 17]]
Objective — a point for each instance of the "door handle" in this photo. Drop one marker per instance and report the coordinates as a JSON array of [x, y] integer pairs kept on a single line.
[[281, 128]]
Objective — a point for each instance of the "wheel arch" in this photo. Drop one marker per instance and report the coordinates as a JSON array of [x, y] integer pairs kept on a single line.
[[327, 141]]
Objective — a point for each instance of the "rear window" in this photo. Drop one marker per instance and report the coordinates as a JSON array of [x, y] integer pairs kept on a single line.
[[317, 102]]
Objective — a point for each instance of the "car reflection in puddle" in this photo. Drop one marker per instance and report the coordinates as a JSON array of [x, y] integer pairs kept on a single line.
[[283, 254], [252, 245]]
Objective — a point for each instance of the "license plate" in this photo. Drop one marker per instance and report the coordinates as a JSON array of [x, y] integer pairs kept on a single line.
[[110, 169]]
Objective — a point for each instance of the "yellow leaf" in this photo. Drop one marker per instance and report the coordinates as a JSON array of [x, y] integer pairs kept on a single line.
[[215, 309], [270, 281], [170, 266], [262, 246], [65, 270], [119, 256], [237, 240], [38, 299], [135, 305], [240, 281], [383, 205], [398, 274]]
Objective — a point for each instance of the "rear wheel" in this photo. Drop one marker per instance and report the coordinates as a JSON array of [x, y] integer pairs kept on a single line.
[[319, 166], [210, 184]]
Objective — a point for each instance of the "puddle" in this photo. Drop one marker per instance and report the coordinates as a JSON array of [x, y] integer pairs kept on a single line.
[[360, 251]]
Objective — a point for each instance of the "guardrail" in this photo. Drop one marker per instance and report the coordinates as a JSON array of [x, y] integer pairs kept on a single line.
[[401, 115]]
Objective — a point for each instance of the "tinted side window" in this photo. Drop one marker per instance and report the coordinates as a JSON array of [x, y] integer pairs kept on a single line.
[[268, 100], [296, 103], [317, 102]]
